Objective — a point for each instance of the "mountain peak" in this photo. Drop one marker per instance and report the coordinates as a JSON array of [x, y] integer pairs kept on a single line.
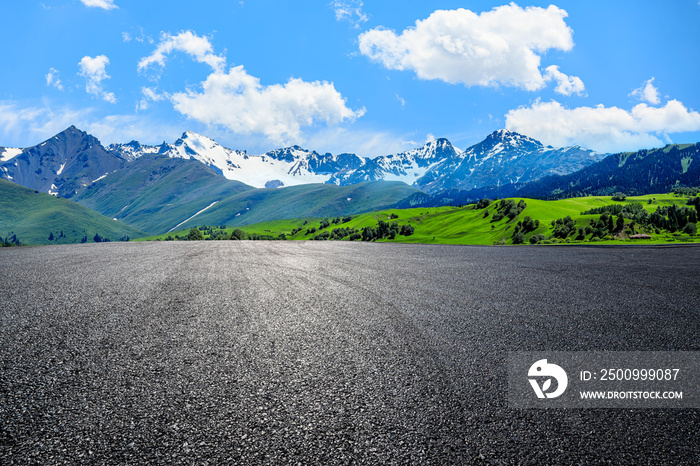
[[512, 138]]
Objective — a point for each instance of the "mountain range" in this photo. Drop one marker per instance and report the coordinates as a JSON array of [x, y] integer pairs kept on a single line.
[[156, 189], [503, 157]]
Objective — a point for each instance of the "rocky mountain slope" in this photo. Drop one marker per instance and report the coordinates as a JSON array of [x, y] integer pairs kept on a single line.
[[61, 165]]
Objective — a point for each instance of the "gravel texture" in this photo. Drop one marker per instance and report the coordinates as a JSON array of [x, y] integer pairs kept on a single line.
[[328, 353]]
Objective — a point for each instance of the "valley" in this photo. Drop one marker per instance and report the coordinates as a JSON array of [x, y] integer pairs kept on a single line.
[[159, 191]]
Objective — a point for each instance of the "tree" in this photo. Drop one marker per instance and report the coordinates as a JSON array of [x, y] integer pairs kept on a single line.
[[195, 235], [619, 197], [97, 238], [691, 229], [620, 223], [51, 236], [238, 234], [518, 238], [406, 230]]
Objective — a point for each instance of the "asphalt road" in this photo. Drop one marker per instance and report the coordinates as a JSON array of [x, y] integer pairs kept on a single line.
[[328, 353]]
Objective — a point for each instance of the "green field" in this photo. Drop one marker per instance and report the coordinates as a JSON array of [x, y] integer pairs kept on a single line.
[[469, 225]]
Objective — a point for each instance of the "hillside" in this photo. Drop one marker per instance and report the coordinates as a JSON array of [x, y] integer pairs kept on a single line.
[[34, 217], [481, 225], [155, 192], [311, 200], [633, 173], [636, 173]]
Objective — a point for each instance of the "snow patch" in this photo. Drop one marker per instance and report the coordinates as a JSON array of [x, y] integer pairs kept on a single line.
[[60, 170], [185, 221], [98, 179], [51, 190], [9, 153]]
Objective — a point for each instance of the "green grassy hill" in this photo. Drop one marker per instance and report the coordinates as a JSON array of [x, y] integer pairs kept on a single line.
[[471, 225], [34, 217], [155, 192], [309, 200]]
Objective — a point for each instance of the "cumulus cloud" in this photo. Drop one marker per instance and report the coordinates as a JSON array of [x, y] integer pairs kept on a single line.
[[53, 80], [237, 101], [497, 47], [604, 129], [566, 85], [94, 70], [198, 47], [104, 4], [647, 93], [349, 10]]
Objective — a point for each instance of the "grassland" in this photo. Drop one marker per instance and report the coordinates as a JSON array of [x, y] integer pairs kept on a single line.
[[34, 217], [469, 225]]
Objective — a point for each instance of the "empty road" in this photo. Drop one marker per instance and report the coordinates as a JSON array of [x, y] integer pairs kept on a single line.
[[243, 352]]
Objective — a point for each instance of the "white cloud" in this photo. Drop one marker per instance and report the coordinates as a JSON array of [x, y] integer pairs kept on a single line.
[[647, 93], [104, 4], [566, 85], [94, 70], [604, 129], [24, 126], [497, 47], [401, 100], [429, 138], [237, 101], [149, 95], [53, 80], [364, 142], [141, 37], [349, 10], [188, 42]]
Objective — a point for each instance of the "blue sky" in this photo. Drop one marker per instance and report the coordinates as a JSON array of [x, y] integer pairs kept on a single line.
[[371, 78]]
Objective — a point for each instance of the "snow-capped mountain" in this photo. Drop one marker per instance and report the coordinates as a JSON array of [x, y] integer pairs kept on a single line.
[[61, 165], [504, 157], [406, 166], [281, 167]]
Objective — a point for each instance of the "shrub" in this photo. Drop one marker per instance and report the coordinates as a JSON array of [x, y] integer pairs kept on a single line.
[[195, 235], [535, 239], [691, 229], [238, 234], [406, 230]]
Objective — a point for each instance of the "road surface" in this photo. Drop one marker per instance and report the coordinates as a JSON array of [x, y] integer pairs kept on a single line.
[[328, 352]]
